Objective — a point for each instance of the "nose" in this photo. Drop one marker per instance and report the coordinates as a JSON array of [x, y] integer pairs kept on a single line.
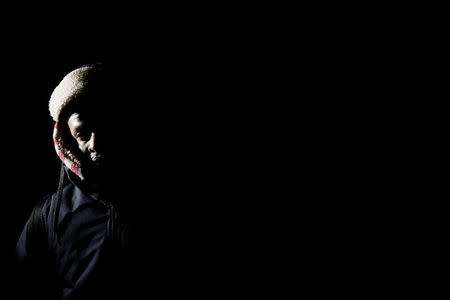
[[91, 147]]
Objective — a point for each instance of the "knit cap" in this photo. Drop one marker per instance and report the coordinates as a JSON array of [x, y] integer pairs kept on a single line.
[[70, 89]]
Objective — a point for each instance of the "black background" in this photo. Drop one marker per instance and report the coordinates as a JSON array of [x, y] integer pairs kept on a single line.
[[192, 102], [222, 84]]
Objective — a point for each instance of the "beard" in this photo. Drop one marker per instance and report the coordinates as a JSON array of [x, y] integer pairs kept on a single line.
[[94, 168]]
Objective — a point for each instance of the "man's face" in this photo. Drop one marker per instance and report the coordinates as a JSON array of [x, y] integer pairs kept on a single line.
[[87, 135]]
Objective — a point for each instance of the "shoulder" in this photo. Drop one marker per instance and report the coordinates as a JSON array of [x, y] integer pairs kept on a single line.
[[49, 201], [68, 201], [37, 221], [38, 229], [32, 241], [63, 202]]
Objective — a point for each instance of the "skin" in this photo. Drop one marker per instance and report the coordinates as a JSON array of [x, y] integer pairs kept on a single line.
[[85, 137]]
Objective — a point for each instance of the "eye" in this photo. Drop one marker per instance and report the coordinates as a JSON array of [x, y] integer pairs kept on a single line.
[[82, 135]]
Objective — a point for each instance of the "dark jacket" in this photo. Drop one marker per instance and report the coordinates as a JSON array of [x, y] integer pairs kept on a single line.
[[85, 258], [166, 240]]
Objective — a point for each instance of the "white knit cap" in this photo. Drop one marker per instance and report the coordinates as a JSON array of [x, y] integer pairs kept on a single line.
[[72, 85]]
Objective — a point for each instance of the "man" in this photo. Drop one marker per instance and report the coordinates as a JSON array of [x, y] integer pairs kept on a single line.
[[147, 203], [77, 241]]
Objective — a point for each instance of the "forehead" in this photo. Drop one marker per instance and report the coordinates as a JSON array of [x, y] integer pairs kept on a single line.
[[84, 119], [74, 119]]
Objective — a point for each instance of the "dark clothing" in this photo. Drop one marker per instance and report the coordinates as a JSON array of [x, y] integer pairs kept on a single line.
[[86, 257], [156, 240]]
